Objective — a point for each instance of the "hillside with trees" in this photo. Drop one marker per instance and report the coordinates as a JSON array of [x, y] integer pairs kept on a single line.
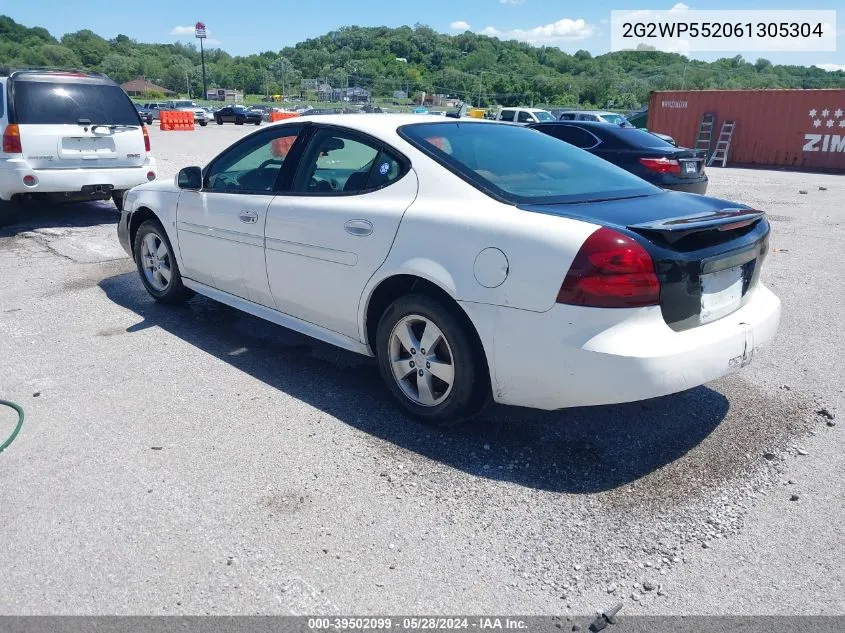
[[474, 67]]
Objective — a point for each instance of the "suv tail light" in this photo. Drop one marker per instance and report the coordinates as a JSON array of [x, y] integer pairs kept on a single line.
[[662, 165], [146, 138], [12, 139], [611, 270]]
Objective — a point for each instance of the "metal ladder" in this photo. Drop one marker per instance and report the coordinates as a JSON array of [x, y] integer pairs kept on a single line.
[[704, 139], [723, 145]]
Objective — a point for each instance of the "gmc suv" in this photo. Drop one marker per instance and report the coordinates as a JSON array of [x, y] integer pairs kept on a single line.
[[68, 135]]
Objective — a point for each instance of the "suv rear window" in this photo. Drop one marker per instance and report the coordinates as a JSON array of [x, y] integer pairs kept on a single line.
[[52, 102], [536, 168]]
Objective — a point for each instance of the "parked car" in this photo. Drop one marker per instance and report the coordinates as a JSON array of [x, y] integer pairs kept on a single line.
[[68, 136], [186, 105], [637, 151], [236, 114], [539, 276], [524, 116], [146, 115], [155, 107], [601, 116]]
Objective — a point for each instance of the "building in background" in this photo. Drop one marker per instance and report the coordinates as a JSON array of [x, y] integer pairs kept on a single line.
[[140, 87], [224, 94]]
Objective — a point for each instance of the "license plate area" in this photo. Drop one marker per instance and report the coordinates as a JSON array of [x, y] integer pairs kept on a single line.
[[87, 147], [690, 167], [721, 293]]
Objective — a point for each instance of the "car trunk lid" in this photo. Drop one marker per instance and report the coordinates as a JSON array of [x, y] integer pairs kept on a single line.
[[707, 252]]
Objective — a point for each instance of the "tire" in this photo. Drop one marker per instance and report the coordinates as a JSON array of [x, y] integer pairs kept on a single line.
[[151, 235], [239, 121], [455, 351], [10, 212], [203, 123], [258, 122], [117, 198], [219, 121]]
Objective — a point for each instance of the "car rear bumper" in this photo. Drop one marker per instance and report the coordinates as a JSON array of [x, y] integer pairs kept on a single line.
[[695, 186], [574, 356], [13, 171]]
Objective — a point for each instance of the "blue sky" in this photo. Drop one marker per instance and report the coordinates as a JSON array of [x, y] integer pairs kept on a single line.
[[248, 27]]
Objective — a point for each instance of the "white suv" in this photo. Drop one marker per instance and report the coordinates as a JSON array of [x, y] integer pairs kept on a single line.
[[524, 116], [186, 105], [69, 136]]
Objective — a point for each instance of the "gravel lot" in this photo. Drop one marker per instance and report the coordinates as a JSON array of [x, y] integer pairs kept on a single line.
[[198, 460]]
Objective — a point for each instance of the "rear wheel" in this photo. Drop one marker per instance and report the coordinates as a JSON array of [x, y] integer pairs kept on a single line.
[[239, 121], [10, 212], [429, 361], [117, 198], [219, 121], [157, 265], [203, 123]]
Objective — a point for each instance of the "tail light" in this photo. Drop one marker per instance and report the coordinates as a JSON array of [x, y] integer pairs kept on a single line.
[[146, 138], [662, 165], [12, 139], [611, 270]]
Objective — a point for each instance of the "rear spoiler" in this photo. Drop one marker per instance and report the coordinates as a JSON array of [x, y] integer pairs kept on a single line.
[[674, 229]]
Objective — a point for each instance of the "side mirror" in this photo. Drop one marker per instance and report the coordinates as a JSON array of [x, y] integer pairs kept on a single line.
[[189, 178]]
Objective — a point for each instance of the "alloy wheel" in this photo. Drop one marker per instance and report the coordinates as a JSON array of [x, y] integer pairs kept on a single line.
[[421, 360]]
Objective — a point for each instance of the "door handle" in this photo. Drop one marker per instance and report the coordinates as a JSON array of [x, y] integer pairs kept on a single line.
[[249, 217], [360, 228]]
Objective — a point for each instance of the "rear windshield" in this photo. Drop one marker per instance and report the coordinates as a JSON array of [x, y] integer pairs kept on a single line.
[[49, 102], [635, 137], [533, 168]]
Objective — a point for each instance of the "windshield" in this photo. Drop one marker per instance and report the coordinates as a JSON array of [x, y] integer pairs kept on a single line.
[[536, 168], [52, 102], [184, 104], [618, 119], [544, 116]]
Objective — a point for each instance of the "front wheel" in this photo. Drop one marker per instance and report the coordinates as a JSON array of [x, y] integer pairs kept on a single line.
[[239, 121], [258, 122], [430, 361], [203, 123], [219, 121], [157, 265]]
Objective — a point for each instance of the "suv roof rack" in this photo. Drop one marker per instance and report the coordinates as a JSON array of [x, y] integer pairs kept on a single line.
[[6, 71]]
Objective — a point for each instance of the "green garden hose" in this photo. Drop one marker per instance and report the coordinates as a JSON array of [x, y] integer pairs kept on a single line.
[[14, 434]]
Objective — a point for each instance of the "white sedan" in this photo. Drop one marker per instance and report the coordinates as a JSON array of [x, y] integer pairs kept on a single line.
[[475, 260]]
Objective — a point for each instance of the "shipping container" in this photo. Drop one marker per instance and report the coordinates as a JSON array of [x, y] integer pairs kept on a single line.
[[801, 129]]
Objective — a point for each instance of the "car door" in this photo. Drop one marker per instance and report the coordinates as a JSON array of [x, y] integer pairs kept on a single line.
[[329, 234], [221, 227]]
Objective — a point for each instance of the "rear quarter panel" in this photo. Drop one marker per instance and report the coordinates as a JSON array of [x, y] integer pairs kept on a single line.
[[451, 222]]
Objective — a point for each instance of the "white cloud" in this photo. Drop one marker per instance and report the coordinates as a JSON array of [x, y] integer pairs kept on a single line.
[[459, 25], [831, 67], [511, 1], [679, 7], [554, 33]]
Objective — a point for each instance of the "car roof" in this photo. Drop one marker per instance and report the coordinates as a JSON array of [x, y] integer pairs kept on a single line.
[[380, 124]]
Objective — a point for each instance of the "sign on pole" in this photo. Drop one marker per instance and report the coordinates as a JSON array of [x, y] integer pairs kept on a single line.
[[199, 30]]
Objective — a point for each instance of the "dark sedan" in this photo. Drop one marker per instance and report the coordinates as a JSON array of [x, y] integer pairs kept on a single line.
[[145, 114], [238, 115], [637, 151]]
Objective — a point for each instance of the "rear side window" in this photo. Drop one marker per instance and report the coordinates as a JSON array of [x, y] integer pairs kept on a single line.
[[572, 135], [50, 102], [567, 116], [506, 115], [525, 117]]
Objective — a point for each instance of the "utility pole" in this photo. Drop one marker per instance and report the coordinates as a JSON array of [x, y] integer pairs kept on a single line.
[[187, 83], [480, 86]]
